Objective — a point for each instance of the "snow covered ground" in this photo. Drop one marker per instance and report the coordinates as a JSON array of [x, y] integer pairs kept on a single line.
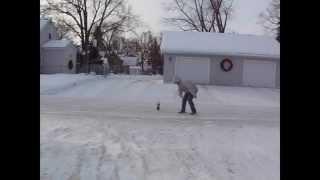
[[52, 84], [108, 128]]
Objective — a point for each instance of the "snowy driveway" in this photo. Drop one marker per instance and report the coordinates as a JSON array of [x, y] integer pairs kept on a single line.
[[109, 129]]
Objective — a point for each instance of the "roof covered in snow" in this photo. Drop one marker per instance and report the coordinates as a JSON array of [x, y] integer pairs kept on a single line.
[[208, 43], [56, 44], [43, 23], [131, 61]]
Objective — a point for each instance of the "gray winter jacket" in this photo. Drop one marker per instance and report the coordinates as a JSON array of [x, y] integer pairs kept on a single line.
[[186, 86]]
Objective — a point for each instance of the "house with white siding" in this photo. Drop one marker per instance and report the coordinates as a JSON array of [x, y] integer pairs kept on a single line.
[[56, 56]]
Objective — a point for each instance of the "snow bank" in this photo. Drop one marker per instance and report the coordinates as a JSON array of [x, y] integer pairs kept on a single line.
[[148, 89], [54, 83]]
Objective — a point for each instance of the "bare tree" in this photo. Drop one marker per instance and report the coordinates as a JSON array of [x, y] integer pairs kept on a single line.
[[222, 11], [155, 56], [110, 31], [108, 34], [62, 29], [200, 15], [271, 18], [145, 40], [81, 16]]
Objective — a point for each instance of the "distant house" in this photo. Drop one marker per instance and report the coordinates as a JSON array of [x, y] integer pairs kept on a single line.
[[132, 63], [56, 56], [221, 59], [130, 48], [147, 66]]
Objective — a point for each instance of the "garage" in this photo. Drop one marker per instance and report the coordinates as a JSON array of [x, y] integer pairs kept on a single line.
[[259, 73], [221, 59], [196, 69]]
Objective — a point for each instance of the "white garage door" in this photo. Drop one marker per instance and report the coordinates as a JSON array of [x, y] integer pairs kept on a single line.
[[195, 69], [259, 73]]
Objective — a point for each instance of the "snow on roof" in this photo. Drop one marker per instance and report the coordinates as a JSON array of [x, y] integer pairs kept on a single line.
[[43, 23], [208, 43], [131, 61], [135, 67], [56, 44]]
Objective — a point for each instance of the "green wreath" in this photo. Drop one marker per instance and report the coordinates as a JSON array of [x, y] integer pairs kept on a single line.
[[226, 65]]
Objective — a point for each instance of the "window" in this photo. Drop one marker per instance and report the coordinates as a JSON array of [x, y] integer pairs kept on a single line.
[[49, 35]]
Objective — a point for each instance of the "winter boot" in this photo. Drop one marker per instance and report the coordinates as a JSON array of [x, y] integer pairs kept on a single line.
[[193, 113]]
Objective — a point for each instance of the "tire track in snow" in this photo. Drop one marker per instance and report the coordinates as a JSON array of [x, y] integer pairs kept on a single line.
[[177, 119]]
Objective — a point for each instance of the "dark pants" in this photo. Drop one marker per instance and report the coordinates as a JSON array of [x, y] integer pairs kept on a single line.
[[188, 97]]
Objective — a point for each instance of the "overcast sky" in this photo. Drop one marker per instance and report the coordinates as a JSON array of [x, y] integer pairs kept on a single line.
[[245, 18]]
